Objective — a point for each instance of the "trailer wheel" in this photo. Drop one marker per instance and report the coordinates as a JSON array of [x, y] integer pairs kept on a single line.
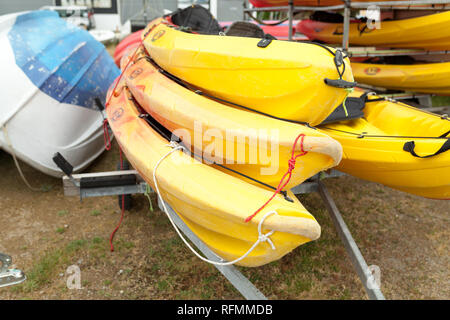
[[127, 197]]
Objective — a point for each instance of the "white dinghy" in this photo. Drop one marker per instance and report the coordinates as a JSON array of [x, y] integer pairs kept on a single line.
[[52, 72]]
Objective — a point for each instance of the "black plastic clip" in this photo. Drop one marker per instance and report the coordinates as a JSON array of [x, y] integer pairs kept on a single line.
[[339, 83], [263, 43]]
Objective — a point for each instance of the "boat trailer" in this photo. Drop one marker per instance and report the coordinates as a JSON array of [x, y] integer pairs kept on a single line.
[[128, 182], [9, 276]]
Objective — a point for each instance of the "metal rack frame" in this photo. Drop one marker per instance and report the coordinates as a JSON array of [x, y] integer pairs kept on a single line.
[[72, 187], [361, 51], [348, 5]]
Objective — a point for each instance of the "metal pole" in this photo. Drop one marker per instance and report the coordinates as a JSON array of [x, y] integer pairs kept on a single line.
[[291, 18], [345, 35], [352, 249], [236, 278], [144, 4]]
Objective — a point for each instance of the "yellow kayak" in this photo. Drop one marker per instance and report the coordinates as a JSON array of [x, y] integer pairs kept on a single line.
[[426, 32], [249, 143], [213, 204], [280, 78], [426, 78], [396, 145]]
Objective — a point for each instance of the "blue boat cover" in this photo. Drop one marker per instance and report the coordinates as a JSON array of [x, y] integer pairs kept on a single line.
[[64, 61]]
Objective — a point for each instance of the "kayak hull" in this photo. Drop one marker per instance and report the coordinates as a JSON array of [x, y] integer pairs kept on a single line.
[[213, 204], [249, 143], [426, 78], [425, 32], [276, 79], [373, 148]]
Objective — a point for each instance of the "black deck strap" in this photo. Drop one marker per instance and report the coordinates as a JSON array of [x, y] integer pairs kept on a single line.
[[340, 83], [410, 145], [62, 163]]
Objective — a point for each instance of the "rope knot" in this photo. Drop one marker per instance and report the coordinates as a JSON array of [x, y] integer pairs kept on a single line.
[[291, 164], [175, 145], [263, 237]]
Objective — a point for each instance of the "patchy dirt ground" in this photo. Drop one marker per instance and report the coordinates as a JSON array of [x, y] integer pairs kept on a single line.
[[406, 236]]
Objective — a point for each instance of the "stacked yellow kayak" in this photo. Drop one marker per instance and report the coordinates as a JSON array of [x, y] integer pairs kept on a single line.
[[260, 146], [242, 153], [280, 78], [394, 144], [425, 78], [429, 32], [212, 203]]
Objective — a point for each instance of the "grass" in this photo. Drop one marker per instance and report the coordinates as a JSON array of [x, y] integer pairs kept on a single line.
[[49, 265], [62, 213], [95, 213], [439, 101]]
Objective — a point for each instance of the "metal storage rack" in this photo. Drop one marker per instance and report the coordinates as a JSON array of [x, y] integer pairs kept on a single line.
[[347, 5], [109, 183]]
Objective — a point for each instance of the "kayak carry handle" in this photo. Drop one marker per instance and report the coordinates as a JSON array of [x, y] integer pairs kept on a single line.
[[410, 145], [340, 83], [62, 163]]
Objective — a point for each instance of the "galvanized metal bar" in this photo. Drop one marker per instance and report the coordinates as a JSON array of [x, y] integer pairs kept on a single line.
[[403, 5], [358, 5], [296, 8], [112, 191], [311, 184], [291, 18], [231, 273], [372, 52], [352, 249], [404, 95], [71, 184], [346, 26]]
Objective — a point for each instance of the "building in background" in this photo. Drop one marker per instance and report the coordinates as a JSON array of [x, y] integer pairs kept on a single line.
[[119, 15]]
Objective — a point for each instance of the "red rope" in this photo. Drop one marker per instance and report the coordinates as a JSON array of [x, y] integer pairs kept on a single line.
[[288, 174], [108, 141], [111, 237], [106, 137]]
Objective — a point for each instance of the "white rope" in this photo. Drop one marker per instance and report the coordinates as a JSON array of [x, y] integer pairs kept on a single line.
[[261, 236], [13, 153]]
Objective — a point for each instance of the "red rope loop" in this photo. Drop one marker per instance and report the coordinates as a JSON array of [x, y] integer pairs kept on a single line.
[[111, 237], [291, 167], [106, 137]]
